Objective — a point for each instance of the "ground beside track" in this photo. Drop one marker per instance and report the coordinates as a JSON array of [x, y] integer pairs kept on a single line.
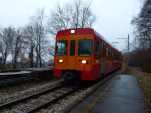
[[144, 80], [121, 95], [11, 86], [16, 89]]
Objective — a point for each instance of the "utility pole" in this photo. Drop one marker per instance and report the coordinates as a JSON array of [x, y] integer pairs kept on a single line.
[[128, 49], [128, 43]]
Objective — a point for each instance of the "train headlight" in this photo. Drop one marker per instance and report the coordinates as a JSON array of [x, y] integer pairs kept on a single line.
[[60, 61], [83, 61], [72, 31]]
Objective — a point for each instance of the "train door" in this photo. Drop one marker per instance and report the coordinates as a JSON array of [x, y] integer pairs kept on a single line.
[[71, 57]]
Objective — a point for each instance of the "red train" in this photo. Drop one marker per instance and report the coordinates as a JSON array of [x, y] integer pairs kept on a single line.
[[83, 54]]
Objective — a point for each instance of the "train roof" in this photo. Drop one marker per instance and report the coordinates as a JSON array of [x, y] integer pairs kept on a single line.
[[79, 31]]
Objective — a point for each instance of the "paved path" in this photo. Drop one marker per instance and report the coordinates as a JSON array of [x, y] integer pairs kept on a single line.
[[123, 95]]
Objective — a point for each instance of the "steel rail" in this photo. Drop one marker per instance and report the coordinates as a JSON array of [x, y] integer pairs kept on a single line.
[[16, 101]]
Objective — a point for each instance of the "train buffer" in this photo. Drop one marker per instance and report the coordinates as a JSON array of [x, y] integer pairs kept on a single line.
[[122, 95]]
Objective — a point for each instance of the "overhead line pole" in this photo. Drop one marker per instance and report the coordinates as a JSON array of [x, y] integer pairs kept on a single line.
[[128, 48], [128, 42]]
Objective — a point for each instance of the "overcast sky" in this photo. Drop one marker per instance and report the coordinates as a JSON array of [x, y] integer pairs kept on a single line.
[[113, 17]]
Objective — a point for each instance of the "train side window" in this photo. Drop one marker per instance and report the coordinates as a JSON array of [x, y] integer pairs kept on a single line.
[[100, 48], [113, 54], [110, 52], [97, 48], [107, 51], [103, 45], [72, 47], [103, 49]]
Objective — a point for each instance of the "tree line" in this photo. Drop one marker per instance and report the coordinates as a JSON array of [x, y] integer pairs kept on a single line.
[[27, 46], [141, 54]]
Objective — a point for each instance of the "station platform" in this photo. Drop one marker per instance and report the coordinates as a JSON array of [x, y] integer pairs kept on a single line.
[[121, 95]]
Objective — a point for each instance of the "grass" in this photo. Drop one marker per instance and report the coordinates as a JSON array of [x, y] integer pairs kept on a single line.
[[145, 83]]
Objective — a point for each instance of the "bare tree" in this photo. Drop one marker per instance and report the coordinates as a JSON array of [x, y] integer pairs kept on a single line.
[[141, 56], [59, 19], [84, 16], [7, 36], [143, 25], [38, 24], [1, 46], [30, 45], [77, 15], [17, 47]]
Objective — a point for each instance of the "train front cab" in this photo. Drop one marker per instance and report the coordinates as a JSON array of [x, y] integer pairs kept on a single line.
[[74, 56]]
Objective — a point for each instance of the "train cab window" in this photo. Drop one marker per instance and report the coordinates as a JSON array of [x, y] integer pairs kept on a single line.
[[61, 48], [85, 47], [72, 47]]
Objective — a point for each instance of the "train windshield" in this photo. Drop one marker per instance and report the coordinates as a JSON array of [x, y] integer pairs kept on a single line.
[[61, 47], [85, 47]]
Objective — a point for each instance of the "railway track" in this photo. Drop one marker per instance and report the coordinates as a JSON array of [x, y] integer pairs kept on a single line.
[[45, 98], [31, 103]]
